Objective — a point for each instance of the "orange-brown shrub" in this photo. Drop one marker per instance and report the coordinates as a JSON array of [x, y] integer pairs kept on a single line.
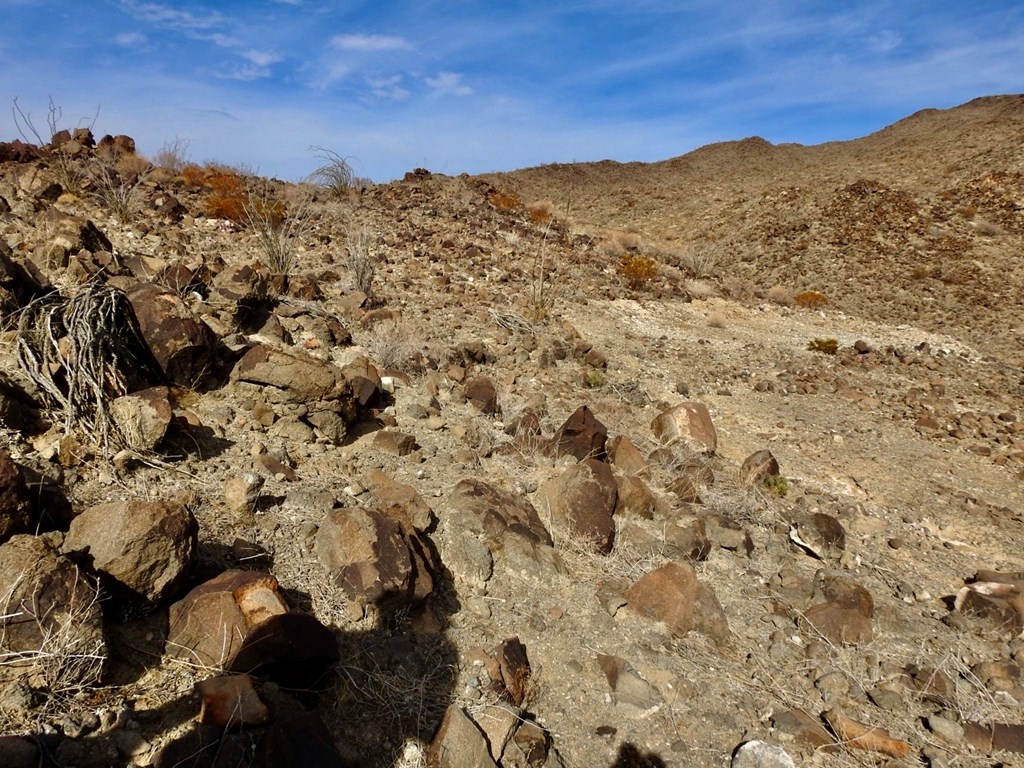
[[541, 212], [194, 175], [638, 271], [505, 202], [810, 299], [228, 197]]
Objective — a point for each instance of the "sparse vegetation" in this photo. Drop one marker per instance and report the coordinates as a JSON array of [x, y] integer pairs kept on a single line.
[[505, 202], [810, 300], [278, 228], [823, 346], [336, 174], [173, 155], [362, 261], [115, 179], [638, 271]]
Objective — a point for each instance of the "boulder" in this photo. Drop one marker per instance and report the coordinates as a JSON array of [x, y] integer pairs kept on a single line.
[[459, 743], [581, 436], [845, 616], [376, 557], [183, 345], [290, 376], [758, 467], [143, 417], [50, 613], [672, 594], [394, 443], [634, 498], [241, 492], [209, 625], [17, 512], [230, 700], [142, 546], [482, 395], [400, 499], [627, 458], [582, 499], [688, 423]]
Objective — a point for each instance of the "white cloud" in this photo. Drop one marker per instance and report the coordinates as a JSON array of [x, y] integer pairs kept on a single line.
[[244, 72], [388, 87], [370, 43], [172, 17], [449, 82], [130, 38], [262, 58], [885, 41]]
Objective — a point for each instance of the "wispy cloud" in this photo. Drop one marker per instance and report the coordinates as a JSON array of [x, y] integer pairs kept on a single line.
[[369, 43], [388, 87], [450, 83], [172, 17], [130, 39], [262, 58]]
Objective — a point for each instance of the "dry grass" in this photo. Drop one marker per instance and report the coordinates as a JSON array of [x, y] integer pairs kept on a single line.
[[279, 229], [362, 261], [391, 344]]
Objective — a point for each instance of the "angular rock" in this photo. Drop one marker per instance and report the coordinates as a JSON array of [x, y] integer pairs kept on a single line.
[[582, 499], [376, 558], [760, 754], [821, 535], [845, 617], [673, 595], [804, 727], [855, 735], [728, 534], [183, 345], [581, 436], [389, 494], [629, 687], [229, 701], [758, 467], [689, 541], [481, 393], [688, 423], [241, 492], [17, 511], [143, 417], [634, 498], [293, 377], [50, 612], [1005, 737], [144, 547], [459, 743], [626, 457], [395, 443], [999, 602], [209, 625]]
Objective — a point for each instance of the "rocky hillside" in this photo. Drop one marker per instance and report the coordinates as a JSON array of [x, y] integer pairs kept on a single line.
[[715, 461]]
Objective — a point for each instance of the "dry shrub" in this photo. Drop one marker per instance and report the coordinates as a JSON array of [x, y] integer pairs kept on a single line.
[[987, 228], [227, 197], [716, 320], [638, 271], [810, 300], [541, 211], [194, 175], [700, 289], [391, 344], [780, 294], [505, 202], [173, 155], [699, 262], [362, 261], [824, 346]]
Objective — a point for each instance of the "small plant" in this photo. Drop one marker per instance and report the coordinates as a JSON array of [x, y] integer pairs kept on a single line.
[[68, 172], [362, 261], [810, 300], [638, 271], [776, 485], [227, 196], [391, 344], [824, 346], [115, 181], [700, 263], [594, 379], [275, 227], [173, 155], [194, 175], [335, 174], [541, 212], [505, 202]]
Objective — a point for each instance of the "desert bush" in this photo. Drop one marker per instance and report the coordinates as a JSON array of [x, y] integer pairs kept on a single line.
[[824, 346], [277, 228], [362, 261], [776, 485], [541, 211], [780, 294], [700, 262], [115, 182], [638, 271], [335, 174], [227, 196], [700, 289], [64, 165], [391, 344], [194, 175], [173, 155], [810, 300], [505, 202]]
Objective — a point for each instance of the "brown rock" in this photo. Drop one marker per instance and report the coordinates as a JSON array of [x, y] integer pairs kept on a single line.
[[515, 670], [294, 377], [801, 725], [49, 609], [689, 423], [855, 735], [183, 345], [459, 743], [400, 500], [689, 541], [757, 467], [375, 557], [143, 417], [839, 625], [634, 498], [582, 436], [16, 508], [626, 457], [672, 594], [582, 499], [395, 443], [999, 602], [481, 394], [629, 688], [229, 701], [241, 492], [209, 625]]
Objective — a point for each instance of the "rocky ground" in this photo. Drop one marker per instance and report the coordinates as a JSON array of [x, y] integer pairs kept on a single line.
[[518, 500]]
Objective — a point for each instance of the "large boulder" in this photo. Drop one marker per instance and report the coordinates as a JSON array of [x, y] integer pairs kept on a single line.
[[688, 423], [144, 547], [582, 500], [376, 557], [582, 436], [672, 594], [51, 626], [183, 345]]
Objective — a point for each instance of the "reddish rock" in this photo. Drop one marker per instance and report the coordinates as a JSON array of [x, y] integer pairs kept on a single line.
[[582, 436], [294, 377], [209, 625], [47, 601], [634, 498], [459, 743], [758, 467], [845, 617], [375, 557], [482, 395], [515, 670], [144, 547], [395, 443], [400, 500], [689, 423], [582, 499], [229, 701], [143, 417], [1000, 602], [673, 595], [626, 457], [804, 727], [484, 509], [183, 345], [689, 541]]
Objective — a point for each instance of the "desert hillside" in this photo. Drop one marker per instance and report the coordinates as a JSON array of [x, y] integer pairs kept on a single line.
[[717, 461]]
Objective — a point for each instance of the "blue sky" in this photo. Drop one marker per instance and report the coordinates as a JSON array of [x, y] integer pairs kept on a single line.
[[465, 86]]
